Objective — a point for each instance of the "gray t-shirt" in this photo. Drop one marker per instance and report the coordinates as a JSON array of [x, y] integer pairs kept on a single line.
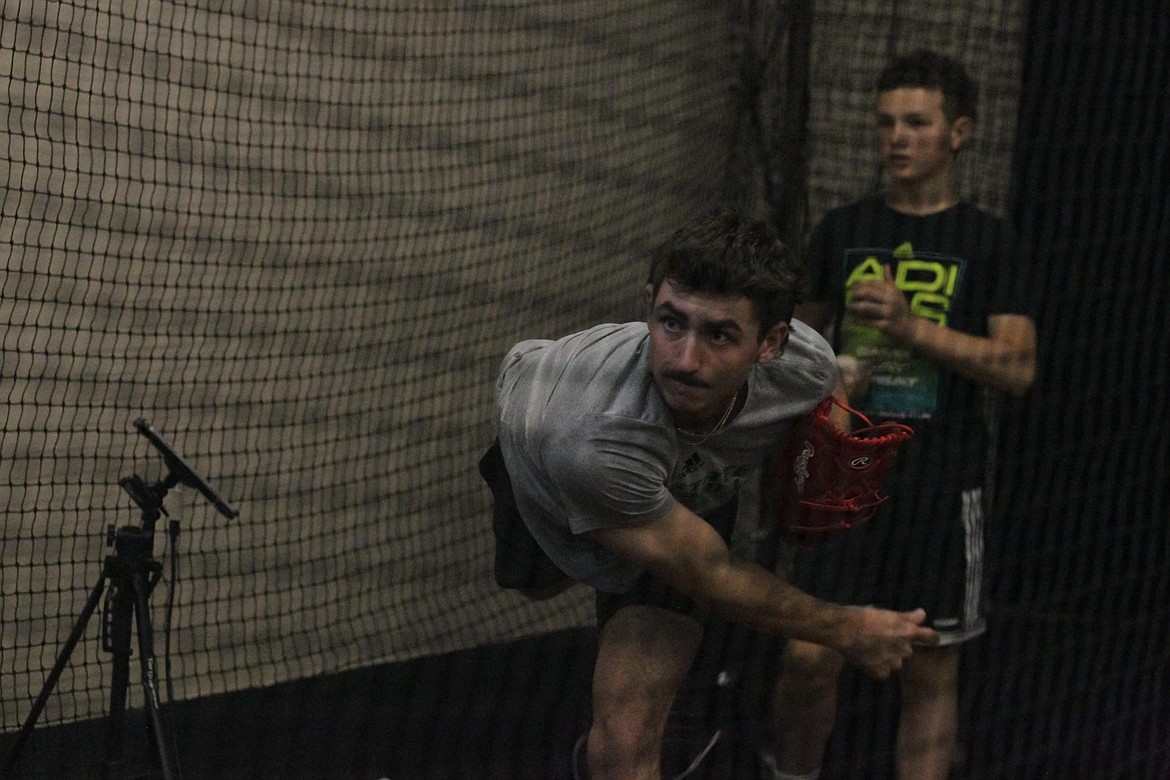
[[589, 442]]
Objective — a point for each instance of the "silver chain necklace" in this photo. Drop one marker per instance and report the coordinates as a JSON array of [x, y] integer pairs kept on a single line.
[[693, 438]]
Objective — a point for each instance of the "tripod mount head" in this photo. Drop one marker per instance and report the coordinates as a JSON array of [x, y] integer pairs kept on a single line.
[[150, 497]]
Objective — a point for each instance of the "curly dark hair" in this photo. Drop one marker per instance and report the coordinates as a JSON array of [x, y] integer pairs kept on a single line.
[[931, 70], [724, 253]]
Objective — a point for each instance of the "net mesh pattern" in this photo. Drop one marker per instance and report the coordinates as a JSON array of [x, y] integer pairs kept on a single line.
[[298, 237]]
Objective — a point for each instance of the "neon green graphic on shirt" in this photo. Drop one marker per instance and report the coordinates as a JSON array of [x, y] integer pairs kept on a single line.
[[902, 383]]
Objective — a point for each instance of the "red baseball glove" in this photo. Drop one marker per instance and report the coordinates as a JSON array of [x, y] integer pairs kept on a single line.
[[830, 480]]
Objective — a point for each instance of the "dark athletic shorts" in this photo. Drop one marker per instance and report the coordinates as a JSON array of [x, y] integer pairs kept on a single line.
[[520, 563], [649, 590], [924, 548]]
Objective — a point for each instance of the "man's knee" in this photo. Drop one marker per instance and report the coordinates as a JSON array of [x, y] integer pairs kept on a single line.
[[810, 664], [628, 723], [644, 653], [623, 739]]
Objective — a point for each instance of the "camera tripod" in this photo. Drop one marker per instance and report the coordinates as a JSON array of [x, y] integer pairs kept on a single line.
[[131, 571]]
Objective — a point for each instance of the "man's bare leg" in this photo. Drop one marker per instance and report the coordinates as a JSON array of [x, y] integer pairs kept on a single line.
[[805, 706], [929, 724], [643, 655]]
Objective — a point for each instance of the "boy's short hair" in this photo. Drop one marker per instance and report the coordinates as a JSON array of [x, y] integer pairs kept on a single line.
[[931, 70], [724, 253]]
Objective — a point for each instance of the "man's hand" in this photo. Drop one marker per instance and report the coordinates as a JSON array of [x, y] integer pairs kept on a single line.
[[882, 305], [877, 640]]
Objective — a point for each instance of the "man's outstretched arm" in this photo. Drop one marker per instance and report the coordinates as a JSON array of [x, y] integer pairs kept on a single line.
[[686, 552]]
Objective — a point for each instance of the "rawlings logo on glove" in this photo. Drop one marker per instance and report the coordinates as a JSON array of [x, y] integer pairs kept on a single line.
[[831, 480]]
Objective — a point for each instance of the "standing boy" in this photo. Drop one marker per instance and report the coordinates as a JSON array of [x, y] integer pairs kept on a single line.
[[918, 288]]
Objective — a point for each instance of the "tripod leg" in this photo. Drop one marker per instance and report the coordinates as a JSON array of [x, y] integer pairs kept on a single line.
[[119, 611], [150, 676], [54, 675]]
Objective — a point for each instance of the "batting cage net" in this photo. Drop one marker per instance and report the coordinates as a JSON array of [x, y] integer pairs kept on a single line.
[[294, 239]]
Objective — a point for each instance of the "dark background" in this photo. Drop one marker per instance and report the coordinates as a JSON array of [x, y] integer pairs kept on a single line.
[[1072, 679]]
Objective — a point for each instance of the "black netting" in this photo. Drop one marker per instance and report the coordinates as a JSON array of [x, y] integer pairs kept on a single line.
[[297, 237]]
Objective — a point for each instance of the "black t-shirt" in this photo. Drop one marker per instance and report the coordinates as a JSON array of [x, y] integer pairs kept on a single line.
[[956, 267]]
